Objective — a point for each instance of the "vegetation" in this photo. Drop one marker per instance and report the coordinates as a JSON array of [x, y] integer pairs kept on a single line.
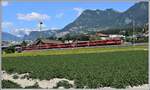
[[77, 51], [24, 43], [117, 68], [127, 31], [9, 84], [15, 77], [64, 84], [137, 40], [10, 49]]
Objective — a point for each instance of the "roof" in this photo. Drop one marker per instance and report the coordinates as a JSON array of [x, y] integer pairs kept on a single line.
[[48, 41], [101, 34]]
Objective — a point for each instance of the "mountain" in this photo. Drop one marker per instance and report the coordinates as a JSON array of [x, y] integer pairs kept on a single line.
[[9, 37], [137, 13], [40, 34], [99, 20], [93, 19]]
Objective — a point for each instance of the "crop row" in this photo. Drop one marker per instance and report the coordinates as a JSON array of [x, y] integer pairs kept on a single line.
[[111, 69]]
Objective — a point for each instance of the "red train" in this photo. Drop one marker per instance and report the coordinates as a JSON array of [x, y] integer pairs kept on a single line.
[[73, 45]]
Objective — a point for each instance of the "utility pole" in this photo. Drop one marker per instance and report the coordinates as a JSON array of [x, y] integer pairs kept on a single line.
[[133, 32], [40, 33], [41, 28]]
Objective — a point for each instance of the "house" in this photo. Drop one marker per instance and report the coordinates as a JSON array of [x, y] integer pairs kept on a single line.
[[116, 36], [99, 36], [5, 44], [44, 44], [68, 41]]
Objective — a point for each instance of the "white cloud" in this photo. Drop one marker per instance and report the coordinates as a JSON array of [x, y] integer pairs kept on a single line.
[[4, 3], [7, 25], [79, 10], [60, 15], [33, 16], [12, 29], [20, 32]]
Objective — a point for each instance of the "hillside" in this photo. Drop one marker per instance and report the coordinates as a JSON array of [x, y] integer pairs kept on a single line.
[[99, 20], [9, 37]]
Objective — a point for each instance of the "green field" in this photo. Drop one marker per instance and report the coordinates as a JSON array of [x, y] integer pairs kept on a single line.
[[91, 67]]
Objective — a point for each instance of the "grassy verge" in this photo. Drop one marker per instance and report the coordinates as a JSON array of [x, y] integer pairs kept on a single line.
[[77, 51]]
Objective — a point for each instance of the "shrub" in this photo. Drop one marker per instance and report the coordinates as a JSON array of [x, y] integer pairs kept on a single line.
[[64, 84], [9, 84], [15, 77], [10, 49]]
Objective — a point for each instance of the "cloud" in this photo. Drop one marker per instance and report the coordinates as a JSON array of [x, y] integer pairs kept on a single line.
[[79, 10], [20, 32], [60, 15], [33, 16], [4, 3], [12, 29], [7, 25]]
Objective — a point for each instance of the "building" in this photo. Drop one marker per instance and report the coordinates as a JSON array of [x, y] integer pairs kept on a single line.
[[99, 36], [116, 36], [5, 44], [43, 44]]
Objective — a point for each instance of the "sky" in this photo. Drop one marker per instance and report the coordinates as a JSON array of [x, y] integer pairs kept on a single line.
[[19, 18]]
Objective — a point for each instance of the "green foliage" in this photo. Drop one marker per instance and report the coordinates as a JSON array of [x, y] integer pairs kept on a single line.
[[127, 31], [15, 76], [106, 69], [25, 76], [144, 39], [137, 40], [24, 43], [10, 49], [9, 84], [80, 37], [64, 84]]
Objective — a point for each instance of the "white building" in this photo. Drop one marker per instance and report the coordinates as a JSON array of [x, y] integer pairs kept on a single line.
[[116, 36]]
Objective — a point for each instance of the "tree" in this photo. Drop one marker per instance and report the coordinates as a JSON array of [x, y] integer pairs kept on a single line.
[[10, 49], [24, 43]]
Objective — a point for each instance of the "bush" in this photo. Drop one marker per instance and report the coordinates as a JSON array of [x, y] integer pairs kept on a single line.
[[15, 77], [9, 84], [138, 40], [64, 84], [10, 49]]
